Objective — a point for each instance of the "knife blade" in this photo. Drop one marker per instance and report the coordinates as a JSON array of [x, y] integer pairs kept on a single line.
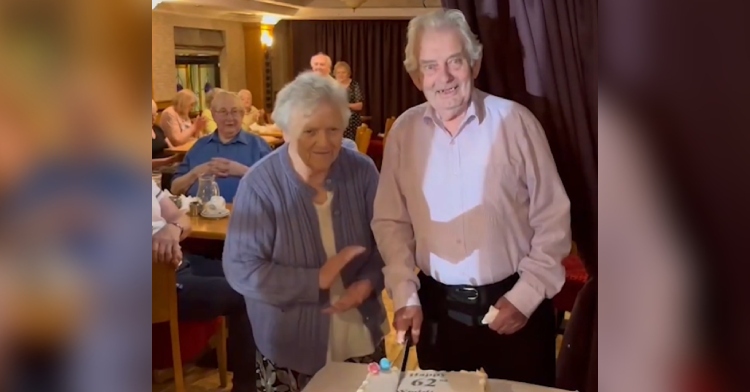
[[405, 361]]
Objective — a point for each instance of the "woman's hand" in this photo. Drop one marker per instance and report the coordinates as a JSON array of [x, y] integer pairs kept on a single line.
[[355, 294], [333, 266], [200, 125]]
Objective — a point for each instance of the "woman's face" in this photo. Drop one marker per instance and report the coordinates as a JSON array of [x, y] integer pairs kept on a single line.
[[341, 74], [318, 137], [154, 111]]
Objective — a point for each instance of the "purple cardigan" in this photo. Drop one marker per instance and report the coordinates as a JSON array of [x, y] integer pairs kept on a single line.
[[273, 254]]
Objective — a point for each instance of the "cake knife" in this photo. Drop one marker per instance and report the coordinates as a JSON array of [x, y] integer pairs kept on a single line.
[[405, 361]]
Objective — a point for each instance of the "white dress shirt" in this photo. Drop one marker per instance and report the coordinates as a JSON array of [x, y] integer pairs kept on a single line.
[[157, 222], [475, 208]]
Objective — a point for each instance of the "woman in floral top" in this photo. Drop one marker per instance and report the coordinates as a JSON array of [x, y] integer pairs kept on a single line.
[[343, 73]]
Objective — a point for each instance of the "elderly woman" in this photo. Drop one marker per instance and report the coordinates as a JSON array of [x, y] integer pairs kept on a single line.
[[343, 73], [175, 120], [206, 114], [299, 246]]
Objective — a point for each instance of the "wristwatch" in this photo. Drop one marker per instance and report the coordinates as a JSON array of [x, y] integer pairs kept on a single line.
[[179, 226]]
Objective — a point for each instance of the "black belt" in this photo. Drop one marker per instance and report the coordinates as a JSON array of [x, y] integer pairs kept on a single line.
[[463, 303]]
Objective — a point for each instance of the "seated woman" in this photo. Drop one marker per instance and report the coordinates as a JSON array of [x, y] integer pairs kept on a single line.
[[210, 122], [175, 120], [159, 143], [299, 246]]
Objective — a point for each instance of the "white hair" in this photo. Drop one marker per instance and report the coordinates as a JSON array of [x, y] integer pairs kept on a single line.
[[222, 95], [306, 93], [440, 19], [321, 54]]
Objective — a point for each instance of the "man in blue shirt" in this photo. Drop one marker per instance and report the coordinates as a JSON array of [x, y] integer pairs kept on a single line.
[[227, 153]]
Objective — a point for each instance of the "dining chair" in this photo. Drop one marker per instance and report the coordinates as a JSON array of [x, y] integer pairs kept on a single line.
[[164, 309], [388, 125], [362, 138]]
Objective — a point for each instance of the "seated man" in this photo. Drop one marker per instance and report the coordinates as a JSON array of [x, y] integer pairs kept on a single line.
[[227, 153], [202, 297]]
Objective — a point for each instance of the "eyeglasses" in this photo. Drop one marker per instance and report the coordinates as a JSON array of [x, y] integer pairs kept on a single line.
[[236, 112]]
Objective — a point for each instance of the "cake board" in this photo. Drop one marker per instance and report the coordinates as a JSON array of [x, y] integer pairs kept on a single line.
[[347, 377]]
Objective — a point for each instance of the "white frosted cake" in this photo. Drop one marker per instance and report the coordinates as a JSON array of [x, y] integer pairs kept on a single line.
[[424, 381]]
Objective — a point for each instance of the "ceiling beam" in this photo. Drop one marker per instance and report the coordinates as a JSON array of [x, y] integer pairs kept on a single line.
[[245, 6], [359, 13], [289, 3]]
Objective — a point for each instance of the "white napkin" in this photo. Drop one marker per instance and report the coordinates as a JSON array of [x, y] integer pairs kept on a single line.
[[185, 202], [490, 315]]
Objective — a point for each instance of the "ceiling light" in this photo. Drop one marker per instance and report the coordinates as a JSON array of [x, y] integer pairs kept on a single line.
[[154, 3], [270, 20]]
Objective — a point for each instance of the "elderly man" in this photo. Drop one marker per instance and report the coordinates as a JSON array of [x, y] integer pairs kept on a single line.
[[321, 64], [226, 154], [469, 193], [252, 114]]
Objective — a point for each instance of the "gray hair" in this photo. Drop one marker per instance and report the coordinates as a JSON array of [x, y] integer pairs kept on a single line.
[[321, 54], [440, 19], [211, 95], [344, 65], [224, 94], [244, 91], [304, 94]]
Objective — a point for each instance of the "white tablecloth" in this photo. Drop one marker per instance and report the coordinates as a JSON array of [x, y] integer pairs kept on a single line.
[[347, 377]]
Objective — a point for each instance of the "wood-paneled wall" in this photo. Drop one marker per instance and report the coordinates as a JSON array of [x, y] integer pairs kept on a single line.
[[254, 63]]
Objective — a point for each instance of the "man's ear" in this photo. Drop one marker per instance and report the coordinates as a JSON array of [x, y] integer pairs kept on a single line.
[[416, 77], [475, 68]]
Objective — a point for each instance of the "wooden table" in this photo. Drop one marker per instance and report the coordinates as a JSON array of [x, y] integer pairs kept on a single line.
[[272, 141], [209, 229]]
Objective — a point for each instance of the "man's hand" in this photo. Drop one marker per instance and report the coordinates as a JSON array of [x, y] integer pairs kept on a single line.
[[405, 318], [228, 168], [333, 266], [355, 294], [508, 320], [203, 169], [165, 246]]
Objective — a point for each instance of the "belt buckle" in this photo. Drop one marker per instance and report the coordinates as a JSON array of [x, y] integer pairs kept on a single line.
[[473, 293]]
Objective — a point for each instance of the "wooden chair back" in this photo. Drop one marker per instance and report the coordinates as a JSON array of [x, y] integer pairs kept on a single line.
[[362, 138]]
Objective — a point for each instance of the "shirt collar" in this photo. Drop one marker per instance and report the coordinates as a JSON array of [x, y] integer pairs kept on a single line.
[[476, 110], [241, 137]]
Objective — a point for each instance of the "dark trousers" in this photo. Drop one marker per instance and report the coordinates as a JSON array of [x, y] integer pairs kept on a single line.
[[446, 343], [205, 296]]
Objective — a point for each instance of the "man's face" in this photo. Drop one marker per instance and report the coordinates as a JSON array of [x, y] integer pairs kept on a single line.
[[317, 138], [447, 78], [247, 99], [321, 65], [228, 113]]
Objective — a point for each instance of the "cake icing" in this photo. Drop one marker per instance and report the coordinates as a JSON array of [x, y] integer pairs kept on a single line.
[[424, 381]]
